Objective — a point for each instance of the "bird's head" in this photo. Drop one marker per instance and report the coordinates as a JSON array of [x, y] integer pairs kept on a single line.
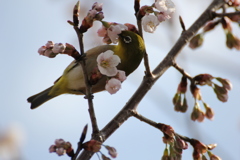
[[131, 41], [130, 49]]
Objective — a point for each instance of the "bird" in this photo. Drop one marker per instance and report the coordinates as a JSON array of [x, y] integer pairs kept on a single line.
[[130, 49]]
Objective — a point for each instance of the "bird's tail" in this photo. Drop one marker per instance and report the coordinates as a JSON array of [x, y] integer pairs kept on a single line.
[[40, 98]]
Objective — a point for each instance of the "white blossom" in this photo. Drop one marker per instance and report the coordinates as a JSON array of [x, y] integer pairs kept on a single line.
[[49, 44], [114, 30], [41, 50], [107, 63], [58, 48], [121, 75], [150, 22], [167, 7], [113, 85]]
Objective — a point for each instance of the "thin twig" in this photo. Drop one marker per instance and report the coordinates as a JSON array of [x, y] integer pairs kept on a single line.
[[143, 119], [227, 14], [181, 70], [156, 125], [82, 62], [88, 93]]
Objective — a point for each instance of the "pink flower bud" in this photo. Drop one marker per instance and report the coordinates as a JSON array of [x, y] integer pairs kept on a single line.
[[210, 25], [209, 112], [201, 116], [182, 87], [58, 48], [97, 6], [232, 41], [113, 85], [195, 92], [203, 79], [102, 31], [221, 92], [99, 16], [176, 98], [198, 146], [235, 18], [197, 113], [41, 50], [52, 148], [60, 151], [59, 142], [111, 151], [181, 144], [196, 41], [131, 27], [225, 83], [49, 53], [226, 24], [196, 155], [184, 106], [236, 2], [161, 17], [168, 130], [121, 75], [114, 30], [49, 44], [92, 145], [144, 10], [177, 102]]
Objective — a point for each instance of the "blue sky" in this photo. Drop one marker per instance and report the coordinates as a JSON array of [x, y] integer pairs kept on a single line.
[[26, 25]]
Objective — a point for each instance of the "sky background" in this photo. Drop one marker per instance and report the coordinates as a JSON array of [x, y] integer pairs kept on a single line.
[[26, 25]]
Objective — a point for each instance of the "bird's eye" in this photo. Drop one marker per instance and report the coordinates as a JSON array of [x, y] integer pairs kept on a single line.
[[127, 39]]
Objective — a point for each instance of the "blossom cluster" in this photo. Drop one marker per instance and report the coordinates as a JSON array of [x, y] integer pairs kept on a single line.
[[51, 50], [151, 19], [107, 63], [232, 41], [95, 146], [110, 31], [61, 147], [180, 102], [175, 144], [94, 14]]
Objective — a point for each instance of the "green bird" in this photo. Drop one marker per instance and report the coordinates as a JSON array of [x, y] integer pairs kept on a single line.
[[130, 50]]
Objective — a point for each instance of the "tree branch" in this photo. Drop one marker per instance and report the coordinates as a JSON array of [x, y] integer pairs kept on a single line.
[[148, 82]]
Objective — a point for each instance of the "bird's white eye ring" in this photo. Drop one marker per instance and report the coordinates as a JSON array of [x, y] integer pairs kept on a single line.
[[127, 39]]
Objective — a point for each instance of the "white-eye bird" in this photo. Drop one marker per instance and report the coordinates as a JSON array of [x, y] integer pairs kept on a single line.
[[130, 50]]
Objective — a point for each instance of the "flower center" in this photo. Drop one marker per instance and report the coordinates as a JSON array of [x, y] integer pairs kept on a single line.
[[105, 64]]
